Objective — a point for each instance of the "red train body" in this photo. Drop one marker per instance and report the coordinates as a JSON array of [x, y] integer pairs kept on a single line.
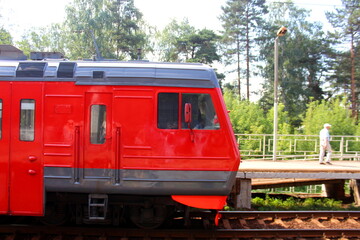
[[104, 136]]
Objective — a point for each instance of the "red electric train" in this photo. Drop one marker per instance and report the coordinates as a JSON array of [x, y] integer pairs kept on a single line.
[[99, 141]]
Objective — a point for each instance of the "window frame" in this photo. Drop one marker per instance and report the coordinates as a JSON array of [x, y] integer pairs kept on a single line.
[[99, 136], [27, 120], [180, 107], [178, 113]]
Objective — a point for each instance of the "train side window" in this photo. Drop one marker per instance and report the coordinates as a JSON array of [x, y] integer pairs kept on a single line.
[[98, 124], [0, 118], [203, 111], [27, 120], [168, 111]]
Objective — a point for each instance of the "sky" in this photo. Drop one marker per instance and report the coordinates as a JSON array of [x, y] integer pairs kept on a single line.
[[17, 16], [20, 15]]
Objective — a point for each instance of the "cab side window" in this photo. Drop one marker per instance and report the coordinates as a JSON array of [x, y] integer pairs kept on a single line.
[[168, 111], [203, 111], [27, 120]]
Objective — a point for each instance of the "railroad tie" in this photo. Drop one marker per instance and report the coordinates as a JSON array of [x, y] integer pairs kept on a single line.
[[243, 224], [334, 221], [317, 223], [262, 223], [352, 221], [226, 223], [280, 222]]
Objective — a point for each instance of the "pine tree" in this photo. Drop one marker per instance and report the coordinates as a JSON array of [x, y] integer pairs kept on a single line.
[[242, 19], [346, 22], [182, 42], [301, 59]]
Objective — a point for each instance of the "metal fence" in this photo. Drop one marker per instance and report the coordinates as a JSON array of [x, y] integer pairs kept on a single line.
[[292, 147]]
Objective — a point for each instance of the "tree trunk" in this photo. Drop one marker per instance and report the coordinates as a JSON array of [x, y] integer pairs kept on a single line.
[[353, 87], [247, 56], [238, 68]]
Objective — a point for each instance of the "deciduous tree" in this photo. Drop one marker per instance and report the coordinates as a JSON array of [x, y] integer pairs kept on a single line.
[[5, 37], [335, 111], [115, 24]]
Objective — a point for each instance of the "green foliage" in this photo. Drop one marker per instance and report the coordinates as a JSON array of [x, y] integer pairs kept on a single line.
[[284, 125], [5, 37], [301, 62], [182, 42], [249, 118], [41, 40], [276, 204], [116, 26], [335, 111], [246, 117], [345, 64]]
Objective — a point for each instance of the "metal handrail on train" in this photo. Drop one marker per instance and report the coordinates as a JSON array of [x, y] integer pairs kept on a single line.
[[296, 147]]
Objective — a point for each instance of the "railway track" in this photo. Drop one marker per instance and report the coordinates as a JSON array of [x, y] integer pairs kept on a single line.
[[234, 225], [291, 219], [81, 233]]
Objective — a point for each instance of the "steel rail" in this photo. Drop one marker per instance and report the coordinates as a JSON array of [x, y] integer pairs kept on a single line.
[[277, 214], [264, 214], [23, 232]]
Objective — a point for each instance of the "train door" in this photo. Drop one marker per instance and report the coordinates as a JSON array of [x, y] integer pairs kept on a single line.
[[98, 155], [4, 146], [26, 163]]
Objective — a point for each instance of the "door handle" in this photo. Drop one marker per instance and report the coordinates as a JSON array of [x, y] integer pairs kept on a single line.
[[31, 172], [32, 158]]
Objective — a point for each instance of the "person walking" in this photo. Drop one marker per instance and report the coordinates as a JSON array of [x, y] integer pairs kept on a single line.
[[325, 147]]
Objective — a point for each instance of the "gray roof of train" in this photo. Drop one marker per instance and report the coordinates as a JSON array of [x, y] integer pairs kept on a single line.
[[111, 73]]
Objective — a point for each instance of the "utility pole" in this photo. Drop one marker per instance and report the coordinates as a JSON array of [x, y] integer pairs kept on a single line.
[[281, 32]]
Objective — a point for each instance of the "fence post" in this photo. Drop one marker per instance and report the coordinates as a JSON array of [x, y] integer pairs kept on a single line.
[[342, 149], [264, 146]]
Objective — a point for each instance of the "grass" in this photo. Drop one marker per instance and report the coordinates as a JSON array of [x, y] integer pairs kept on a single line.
[[294, 204]]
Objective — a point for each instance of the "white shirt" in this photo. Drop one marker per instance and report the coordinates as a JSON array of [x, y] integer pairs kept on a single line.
[[324, 135]]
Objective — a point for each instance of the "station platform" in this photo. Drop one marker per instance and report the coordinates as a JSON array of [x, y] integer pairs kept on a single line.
[[260, 174], [250, 169]]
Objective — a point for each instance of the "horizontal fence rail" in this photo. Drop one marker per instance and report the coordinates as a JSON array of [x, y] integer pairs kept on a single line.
[[296, 147]]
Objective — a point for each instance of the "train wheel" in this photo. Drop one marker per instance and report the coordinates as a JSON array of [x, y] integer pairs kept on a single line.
[[148, 217]]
